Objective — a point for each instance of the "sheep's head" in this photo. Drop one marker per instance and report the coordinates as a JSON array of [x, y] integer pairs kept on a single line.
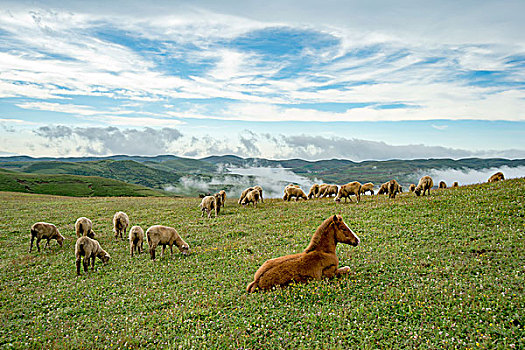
[[105, 257], [60, 239], [417, 191], [184, 249]]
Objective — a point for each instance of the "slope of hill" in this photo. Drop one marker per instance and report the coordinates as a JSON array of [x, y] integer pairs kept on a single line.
[[443, 271], [71, 185]]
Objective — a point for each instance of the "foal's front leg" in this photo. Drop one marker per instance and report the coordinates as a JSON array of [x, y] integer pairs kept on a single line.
[[333, 271]]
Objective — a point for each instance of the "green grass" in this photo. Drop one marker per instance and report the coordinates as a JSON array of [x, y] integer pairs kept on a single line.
[[70, 185], [445, 271]]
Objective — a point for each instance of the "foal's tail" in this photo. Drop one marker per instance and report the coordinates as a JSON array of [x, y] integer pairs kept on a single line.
[[252, 287]]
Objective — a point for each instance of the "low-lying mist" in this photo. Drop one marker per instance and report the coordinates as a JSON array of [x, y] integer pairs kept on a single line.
[[234, 180]]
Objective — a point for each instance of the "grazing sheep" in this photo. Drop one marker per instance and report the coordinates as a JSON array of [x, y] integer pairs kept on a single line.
[[425, 184], [412, 187], [327, 190], [210, 203], [165, 236], [383, 189], [345, 191], [455, 184], [368, 187], [259, 188], [222, 193], [293, 191], [497, 177], [394, 188], [83, 227], [245, 192], [442, 184], [314, 191], [252, 197], [89, 249], [43, 230], [120, 224], [136, 239]]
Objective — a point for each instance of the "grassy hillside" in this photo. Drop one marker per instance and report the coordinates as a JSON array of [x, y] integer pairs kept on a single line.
[[444, 271], [124, 170], [70, 185]]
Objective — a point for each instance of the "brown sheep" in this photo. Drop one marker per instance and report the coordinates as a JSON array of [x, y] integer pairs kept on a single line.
[[394, 188], [165, 236], [412, 187], [252, 197], [345, 191], [136, 239], [84, 227], [89, 249], [327, 190], [222, 193], [293, 191], [368, 187], [497, 177], [210, 203], [317, 261], [383, 189], [442, 184], [259, 188], [120, 224], [43, 230], [425, 184], [455, 184], [314, 191]]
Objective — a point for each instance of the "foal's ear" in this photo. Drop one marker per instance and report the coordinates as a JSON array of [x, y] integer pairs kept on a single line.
[[335, 219]]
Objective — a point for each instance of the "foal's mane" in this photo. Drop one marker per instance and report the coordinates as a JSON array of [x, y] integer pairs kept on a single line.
[[316, 238]]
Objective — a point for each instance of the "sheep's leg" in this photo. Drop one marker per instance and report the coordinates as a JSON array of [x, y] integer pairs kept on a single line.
[[38, 244], [85, 262], [78, 266], [171, 251], [209, 213], [131, 248], [163, 248], [152, 252], [31, 244], [93, 263], [47, 243]]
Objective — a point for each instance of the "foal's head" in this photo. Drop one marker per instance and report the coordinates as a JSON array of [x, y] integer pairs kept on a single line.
[[343, 233]]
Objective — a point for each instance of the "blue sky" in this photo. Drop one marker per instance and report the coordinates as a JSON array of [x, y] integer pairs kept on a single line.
[[308, 79]]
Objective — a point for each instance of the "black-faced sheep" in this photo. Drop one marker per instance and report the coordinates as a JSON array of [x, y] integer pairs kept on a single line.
[[394, 188], [442, 184], [136, 239], [368, 187], [293, 191], [245, 192], [455, 184], [327, 190], [43, 230], [120, 224], [383, 189], [165, 236], [497, 177], [89, 249], [210, 203], [345, 191], [252, 197], [425, 184], [84, 227], [314, 191], [412, 187]]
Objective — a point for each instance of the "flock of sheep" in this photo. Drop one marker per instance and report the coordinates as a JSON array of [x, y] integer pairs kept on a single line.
[[89, 248]]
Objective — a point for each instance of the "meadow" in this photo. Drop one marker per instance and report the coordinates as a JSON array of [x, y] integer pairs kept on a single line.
[[443, 271]]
